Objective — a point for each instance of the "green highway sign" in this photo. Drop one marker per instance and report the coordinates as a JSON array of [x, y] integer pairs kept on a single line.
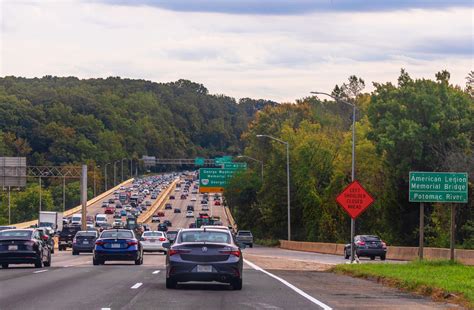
[[222, 160], [214, 179], [199, 161], [438, 187], [235, 166]]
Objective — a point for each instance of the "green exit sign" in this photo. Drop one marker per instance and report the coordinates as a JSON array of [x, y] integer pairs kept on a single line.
[[236, 166], [449, 187]]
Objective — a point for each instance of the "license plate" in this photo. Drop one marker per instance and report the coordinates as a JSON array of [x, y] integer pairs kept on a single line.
[[152, 240], [116, 245], [12, 247], [204, 268], [85, 242]]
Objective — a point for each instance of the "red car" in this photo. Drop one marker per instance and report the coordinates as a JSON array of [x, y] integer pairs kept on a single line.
[[110, 210], [160, 213], [217, 203]]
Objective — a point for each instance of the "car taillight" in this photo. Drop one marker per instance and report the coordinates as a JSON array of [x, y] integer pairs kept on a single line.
[[233, 252], [162, 239], [360, 243], [384, 245], [173, 252], [99, 242], [132, 243]]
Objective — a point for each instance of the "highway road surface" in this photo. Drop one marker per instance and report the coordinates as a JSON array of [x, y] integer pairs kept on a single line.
[[272, 279]]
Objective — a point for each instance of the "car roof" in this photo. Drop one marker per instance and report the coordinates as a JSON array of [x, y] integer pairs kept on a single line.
[[215, 227]]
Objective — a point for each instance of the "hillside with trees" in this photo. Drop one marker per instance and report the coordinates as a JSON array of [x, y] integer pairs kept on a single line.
[[416, 125]]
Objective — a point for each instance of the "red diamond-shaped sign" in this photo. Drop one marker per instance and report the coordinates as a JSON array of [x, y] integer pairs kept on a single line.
[[354, 199]]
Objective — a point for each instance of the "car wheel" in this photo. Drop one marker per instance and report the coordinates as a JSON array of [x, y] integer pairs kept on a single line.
[[39, 263], [52, 251], [382, 257], [75, 252], [171, 283], [237, 284], [372, 258], [165, 252], [4, 266], [95, 262], [346, 254], [251, 245], [138, 261], [60, 248], [48, 262]]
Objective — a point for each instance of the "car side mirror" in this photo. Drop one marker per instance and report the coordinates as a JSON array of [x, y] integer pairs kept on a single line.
[[166, 245], [45, 237]]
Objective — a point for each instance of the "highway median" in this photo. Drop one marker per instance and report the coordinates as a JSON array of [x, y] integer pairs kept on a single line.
[[442, 280]]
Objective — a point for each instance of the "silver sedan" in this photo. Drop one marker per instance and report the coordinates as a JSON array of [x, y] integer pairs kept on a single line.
[[152, 241]]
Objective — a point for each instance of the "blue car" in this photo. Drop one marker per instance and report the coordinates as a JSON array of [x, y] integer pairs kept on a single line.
[[117, 245], [123, 213]]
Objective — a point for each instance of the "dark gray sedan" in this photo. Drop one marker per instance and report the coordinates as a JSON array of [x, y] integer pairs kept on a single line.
[[368, 246], [84, 241], [204, 255]]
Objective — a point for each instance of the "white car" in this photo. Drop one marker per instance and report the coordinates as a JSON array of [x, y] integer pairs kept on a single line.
[[100, 219], [152, 241], [155, 218], [189, 213], [205, 208], [128, 208], [193, 198]]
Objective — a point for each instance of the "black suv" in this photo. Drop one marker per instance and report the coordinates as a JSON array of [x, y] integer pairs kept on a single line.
[[66, 236]]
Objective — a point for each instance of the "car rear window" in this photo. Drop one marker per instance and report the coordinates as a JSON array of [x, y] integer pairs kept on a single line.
[[370, 238], [244, 233], [153, 234], [86, 234], [20, 234], [117, 234], [205, 236]]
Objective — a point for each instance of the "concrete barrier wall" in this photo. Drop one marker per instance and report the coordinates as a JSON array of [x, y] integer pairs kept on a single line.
[[78, 208], [144, 217], [393, 252]]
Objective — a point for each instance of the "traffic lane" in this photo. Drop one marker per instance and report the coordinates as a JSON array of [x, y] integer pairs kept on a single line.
[[79, 287], [259, 292], [308, 256], [344, 292]]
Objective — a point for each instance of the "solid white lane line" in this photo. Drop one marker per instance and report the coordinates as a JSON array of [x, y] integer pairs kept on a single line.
[[137, 285], [67, 266], [105, 309], [40, 271], [155, 272], [294, 288]]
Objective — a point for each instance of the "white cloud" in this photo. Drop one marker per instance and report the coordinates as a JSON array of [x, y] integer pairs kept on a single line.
[[279, 57]]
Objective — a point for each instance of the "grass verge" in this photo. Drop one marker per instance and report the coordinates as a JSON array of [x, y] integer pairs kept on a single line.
[[441, 280]]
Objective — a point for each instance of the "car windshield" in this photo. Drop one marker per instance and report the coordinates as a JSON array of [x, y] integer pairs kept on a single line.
[[85, 234], [21, 234], [153, 234], [205, 236], [117, 234]]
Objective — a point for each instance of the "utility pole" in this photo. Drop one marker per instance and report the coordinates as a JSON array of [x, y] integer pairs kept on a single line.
[[84, 196]]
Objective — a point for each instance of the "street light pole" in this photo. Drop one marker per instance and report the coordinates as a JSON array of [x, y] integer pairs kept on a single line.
[[353, 157], [254, 159], [287, 177], [106, 175], [122, 166], [115, 173]]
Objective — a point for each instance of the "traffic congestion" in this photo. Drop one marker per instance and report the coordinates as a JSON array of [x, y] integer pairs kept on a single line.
[[197, 245]]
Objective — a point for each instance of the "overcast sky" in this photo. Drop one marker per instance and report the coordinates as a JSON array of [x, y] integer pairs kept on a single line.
[[279, 49]]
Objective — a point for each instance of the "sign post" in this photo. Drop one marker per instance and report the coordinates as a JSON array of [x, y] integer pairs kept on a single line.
[[441, 187], [354, 199]]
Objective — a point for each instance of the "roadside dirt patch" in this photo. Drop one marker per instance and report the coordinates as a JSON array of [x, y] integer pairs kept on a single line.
[[278, 263]]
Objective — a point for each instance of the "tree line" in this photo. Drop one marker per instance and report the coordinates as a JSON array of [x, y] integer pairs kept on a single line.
[[413, 125], [68, 121]]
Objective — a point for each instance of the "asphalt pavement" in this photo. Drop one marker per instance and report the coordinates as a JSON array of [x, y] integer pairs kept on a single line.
[[74, 283]]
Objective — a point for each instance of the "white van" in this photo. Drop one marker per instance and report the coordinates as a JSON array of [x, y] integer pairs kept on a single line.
[[100, 219], [76, 219]]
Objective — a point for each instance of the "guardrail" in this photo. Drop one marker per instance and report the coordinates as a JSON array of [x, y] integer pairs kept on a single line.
[[78, 208], [144, 217], [393, 252]]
